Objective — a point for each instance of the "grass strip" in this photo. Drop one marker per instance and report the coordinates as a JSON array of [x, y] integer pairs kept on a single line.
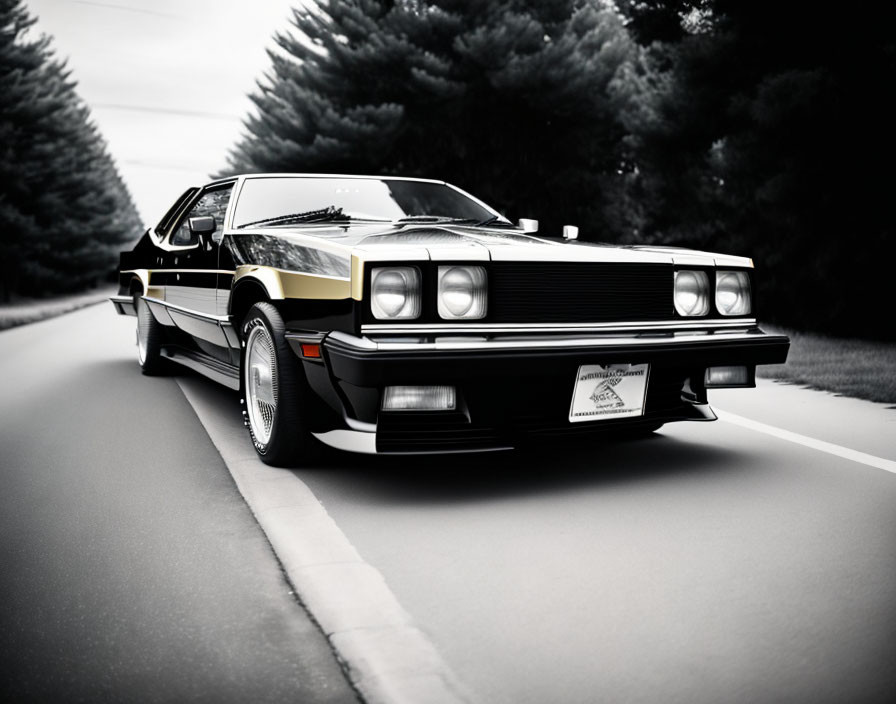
[[27, 311], [847, 366]]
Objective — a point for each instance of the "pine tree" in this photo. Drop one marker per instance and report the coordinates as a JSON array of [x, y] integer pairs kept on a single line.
[[64, 210], [511, 100], [767, 129]]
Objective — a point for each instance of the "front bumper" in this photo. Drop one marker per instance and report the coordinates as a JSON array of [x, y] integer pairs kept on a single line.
[[516, 388], [124, 305]]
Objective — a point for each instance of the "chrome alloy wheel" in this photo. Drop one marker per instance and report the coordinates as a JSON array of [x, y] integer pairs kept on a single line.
[[260, 382], [142, 331]]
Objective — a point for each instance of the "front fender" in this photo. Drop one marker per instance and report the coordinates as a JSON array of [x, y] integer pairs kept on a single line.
[[281, 285]]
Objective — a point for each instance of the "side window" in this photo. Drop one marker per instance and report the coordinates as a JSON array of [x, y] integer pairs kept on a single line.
[[210, 203]]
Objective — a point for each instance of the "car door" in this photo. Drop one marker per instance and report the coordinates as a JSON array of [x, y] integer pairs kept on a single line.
[[191, 269]]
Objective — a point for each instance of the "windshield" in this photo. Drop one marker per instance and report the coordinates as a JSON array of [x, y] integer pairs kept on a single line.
[[276, 201]]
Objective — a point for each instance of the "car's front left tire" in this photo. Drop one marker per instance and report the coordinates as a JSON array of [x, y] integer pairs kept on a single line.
[[150, 336], [275, 394]]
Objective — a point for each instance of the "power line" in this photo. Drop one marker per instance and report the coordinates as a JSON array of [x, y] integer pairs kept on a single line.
[[125, 8], [166, 111], [139, 163]]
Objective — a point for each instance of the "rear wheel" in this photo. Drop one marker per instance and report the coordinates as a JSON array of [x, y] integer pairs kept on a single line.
[[276, 395], [150, 336]]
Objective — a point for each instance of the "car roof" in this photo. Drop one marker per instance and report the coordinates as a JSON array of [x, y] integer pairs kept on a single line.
[[312, 175]]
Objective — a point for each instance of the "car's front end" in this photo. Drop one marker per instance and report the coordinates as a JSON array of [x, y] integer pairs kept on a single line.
[[466, 340]]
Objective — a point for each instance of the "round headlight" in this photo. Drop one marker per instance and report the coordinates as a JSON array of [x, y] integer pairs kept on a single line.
[[691, 293], [390, 291], [457, 291], [733, 292], [462, 292], [395, 293]]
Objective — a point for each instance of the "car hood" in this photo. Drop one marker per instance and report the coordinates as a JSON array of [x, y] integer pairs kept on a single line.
[[444, 243], [459, 243]]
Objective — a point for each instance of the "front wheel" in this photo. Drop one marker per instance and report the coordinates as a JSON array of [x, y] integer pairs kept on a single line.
[[150, 337], [275, 392]]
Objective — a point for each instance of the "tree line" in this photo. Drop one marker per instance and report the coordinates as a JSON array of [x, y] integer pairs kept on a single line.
[[756, 128], [64, 210]]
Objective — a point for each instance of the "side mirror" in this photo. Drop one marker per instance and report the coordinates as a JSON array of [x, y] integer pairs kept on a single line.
[[202, 228], [528, 225], [204, 225], [570, 232]]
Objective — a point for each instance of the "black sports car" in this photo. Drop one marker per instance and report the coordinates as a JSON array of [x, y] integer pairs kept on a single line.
[[382, 314]]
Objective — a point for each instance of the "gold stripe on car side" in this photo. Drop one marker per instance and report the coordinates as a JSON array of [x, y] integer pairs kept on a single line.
[[357, 277], [282, 284], [145, 276]]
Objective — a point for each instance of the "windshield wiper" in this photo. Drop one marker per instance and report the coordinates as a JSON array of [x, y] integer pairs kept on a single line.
[[475, 222], [494, 221], [331, 212], [488, 221], [426, 218]]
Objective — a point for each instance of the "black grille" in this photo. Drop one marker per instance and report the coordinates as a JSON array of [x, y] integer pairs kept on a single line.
[[568, 292]]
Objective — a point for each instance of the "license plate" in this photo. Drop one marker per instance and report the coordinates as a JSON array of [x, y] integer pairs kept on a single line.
[[605, 391]]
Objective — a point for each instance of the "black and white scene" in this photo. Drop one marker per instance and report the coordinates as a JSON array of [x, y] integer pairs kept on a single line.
[[447, 352]]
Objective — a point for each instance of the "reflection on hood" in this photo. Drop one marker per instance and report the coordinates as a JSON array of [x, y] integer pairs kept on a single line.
[[281, 253], [427, 236]]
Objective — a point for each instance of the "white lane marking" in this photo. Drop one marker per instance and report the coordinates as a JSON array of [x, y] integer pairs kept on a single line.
[[386, 657], [829, 447]]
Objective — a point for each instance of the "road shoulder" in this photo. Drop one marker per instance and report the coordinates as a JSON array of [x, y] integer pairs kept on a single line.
[[863, 426], [384, 655], [36, 310]]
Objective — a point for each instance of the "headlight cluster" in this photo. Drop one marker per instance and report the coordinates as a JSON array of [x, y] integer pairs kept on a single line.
[[463, 292], [692, 293], [396, 292], [733, 293]]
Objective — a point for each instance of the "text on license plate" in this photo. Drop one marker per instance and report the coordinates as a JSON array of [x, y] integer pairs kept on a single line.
[[605, 391]]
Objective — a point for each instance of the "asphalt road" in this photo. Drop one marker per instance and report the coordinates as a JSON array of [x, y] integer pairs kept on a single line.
[[132, 570], [709, 563]]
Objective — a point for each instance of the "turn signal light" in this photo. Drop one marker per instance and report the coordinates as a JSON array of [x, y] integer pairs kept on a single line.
[[726, 377], [419, 398], [309, 350]]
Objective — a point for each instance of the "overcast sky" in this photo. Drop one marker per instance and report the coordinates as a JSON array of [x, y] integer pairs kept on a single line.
[[167, 80]]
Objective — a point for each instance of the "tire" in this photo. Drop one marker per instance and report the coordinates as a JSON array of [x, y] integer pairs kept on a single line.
[[276, 397], [150, 336]]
